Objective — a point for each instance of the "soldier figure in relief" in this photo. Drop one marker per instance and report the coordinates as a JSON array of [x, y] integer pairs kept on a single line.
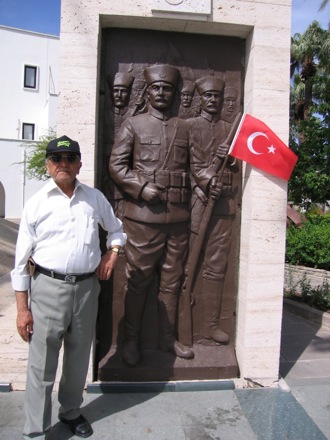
[[150, 163], [209, 133], [230, 107], [120, 89], [186, 110]]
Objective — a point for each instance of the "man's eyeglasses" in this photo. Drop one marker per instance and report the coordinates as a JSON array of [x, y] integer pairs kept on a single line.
[[71, 157]]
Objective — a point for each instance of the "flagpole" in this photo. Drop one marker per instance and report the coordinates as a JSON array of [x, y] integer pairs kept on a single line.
[[238, 129]]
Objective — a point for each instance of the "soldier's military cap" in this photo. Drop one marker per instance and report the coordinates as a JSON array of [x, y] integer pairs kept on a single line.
[[231, 92], [208, 83], [188, 87], [162, 72], [123, 79]]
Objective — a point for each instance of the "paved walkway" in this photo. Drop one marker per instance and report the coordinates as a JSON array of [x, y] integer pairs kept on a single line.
[[299, 409]]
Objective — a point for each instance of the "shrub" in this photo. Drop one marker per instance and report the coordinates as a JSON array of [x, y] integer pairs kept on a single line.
[[317, 297], [308, 245]]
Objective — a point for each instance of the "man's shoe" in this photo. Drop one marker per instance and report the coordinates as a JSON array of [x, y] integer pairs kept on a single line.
[[177, 349], [218, 335], [182, 351], [131, 354], [79, 426]]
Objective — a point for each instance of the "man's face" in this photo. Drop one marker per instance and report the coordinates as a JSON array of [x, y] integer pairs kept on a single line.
[[62, 171], [186, 99], [120, 96], [160, 95], [210, 101], [229, 104]]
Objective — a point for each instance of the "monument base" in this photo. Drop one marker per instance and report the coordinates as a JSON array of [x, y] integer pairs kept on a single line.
[[156, 366]]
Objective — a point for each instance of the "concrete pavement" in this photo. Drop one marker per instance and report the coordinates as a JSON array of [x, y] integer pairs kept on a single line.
[[297, 409]]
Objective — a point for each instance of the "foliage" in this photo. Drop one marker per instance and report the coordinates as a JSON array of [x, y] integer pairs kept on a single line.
[[35, 158], [310, 181], [317, 297], [308, 245], [310, 117], [323, 5]]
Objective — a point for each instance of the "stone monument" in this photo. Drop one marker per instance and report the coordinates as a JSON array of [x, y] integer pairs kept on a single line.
[[246, 45]]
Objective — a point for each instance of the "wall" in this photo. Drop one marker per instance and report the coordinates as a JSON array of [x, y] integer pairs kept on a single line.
[[16, 187], [265, 26], [21, 48], [296, 276]]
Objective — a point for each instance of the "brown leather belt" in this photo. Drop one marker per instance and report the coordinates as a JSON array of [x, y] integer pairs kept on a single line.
[[70, 278]]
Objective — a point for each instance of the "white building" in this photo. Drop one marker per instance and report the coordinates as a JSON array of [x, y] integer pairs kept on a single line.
[[28, 98]]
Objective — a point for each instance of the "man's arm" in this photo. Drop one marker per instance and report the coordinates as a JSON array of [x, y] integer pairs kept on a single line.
[[121, 159], [201, 168], [116, 237], [108, 263], [24, 321]]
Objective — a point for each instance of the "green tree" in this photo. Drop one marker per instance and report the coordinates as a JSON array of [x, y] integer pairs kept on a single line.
[[35, 157], [309, 117]]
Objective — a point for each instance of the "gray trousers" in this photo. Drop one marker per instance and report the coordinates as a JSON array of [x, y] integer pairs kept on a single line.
[[63, 313]]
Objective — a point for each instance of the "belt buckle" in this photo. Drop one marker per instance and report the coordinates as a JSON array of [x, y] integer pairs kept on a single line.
[[70, 278]]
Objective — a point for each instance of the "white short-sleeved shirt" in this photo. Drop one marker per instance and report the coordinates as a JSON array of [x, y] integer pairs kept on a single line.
[[62, 233]]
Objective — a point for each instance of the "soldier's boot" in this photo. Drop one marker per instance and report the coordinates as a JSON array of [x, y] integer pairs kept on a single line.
[[134, 307], [212, 293], [167, 307]]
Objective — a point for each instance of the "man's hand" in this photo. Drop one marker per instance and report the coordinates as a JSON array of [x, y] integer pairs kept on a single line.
[[152, 193], [215, 188], [24, 320], [106, 266], [222, 151]]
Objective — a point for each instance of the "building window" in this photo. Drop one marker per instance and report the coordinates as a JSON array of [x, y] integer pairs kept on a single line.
[[30, 77], [28, 131]]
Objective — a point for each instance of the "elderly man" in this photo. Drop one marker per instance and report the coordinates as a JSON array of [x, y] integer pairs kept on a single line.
[[59, 239], [208, 135], [150, 162]]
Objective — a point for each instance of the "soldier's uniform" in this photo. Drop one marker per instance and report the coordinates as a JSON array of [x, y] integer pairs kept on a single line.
[[153, 147]]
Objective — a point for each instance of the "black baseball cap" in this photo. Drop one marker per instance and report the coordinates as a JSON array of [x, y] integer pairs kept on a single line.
[[61, 145]]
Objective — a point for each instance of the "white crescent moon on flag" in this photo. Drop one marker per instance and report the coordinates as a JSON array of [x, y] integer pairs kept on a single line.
[[251, 138]]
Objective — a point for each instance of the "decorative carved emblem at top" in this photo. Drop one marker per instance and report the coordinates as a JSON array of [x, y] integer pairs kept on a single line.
[[174, 2], [185, 6]]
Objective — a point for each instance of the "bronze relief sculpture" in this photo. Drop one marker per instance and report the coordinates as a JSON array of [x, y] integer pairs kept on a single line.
[[164, 142]]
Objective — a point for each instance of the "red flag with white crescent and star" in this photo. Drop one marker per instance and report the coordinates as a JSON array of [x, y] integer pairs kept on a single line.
[[258, 145]]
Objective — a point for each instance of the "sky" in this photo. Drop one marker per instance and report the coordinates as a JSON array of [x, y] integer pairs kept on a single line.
[[41, 16], [44, 15]]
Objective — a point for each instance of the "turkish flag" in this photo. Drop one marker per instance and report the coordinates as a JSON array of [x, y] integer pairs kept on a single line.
[[258, 145]]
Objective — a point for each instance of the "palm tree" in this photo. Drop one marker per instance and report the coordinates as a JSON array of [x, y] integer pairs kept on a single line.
[[309, 116], [309, 57], [323, 5]]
